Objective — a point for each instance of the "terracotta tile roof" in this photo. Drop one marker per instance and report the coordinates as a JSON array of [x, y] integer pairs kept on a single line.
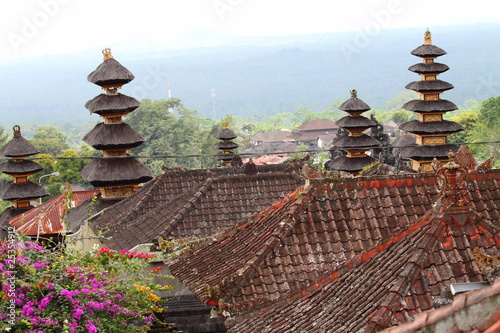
[[387, 284], [193, 203], [46, 218], [313, 135], [318, 125], [361, 254], [455, 317]]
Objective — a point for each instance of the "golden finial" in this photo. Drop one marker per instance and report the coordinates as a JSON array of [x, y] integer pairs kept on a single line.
[[427, 37], [107, 53], [225, 124], [17, 131], [354, 93]]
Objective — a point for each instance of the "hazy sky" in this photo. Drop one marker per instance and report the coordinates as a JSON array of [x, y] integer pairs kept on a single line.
[[37, 27]]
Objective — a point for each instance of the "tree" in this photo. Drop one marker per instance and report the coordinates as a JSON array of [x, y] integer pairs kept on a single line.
[[169, 129], [490, 112], [302, 115], [49, 140], [4, 137], [486, 129], [468, 120], [398, 100], [69, 166], [400, 116]]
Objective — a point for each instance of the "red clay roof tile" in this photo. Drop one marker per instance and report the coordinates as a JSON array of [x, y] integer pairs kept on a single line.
[[386, 242]]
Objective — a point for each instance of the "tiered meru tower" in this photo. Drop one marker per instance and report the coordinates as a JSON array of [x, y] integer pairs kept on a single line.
[[356, 143], [21, 191], [115, 173], [430, 130], [226, 145]]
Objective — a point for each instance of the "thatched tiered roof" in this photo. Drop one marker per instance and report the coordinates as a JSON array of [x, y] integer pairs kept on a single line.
[[20, 191], [356, 143], [116, 173], [430, 129], [226, 145]]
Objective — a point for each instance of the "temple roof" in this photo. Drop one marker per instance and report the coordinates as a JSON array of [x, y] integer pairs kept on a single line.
[[107, 171], [364, 141], [350, 164], [225, 134], [226, 145], [425, 86], [354, 104], [428, 51], [355, 122], [403, 144], [7, 214], [419, 105], [430, 127], [18, 191], [105, 104], [429, 68], [18, 146], [113, 136], [428, 152], [23, 167], [191, 203], [373, 244], [110, 73]]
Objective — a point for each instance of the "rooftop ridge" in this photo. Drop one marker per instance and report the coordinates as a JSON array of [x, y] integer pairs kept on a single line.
[[197, 194], [460, 302], [283, 229], [268, 246]]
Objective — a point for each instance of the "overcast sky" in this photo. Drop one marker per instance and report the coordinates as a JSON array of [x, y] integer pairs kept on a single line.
[[37, 27]]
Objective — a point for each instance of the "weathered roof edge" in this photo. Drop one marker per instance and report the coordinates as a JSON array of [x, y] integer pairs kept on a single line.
[[460, 302]]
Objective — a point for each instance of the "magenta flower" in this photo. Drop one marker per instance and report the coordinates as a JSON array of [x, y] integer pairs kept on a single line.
[[66, 293], [91, 327], [44, 302], [77, 314]]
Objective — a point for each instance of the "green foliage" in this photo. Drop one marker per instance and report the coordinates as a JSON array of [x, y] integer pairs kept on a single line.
[[468, 120], [173, 130], [69, 169], [49, 140], [4, 137], [486, 129], [395, 103], [400, 116], [490, 112]]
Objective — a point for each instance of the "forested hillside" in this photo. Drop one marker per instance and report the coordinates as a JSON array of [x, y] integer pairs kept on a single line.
[[255, 76]]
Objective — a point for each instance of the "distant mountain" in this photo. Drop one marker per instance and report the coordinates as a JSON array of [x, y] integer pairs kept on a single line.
[[255, 75]]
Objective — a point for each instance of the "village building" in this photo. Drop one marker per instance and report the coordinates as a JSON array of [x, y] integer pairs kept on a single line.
[[316, 132]]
